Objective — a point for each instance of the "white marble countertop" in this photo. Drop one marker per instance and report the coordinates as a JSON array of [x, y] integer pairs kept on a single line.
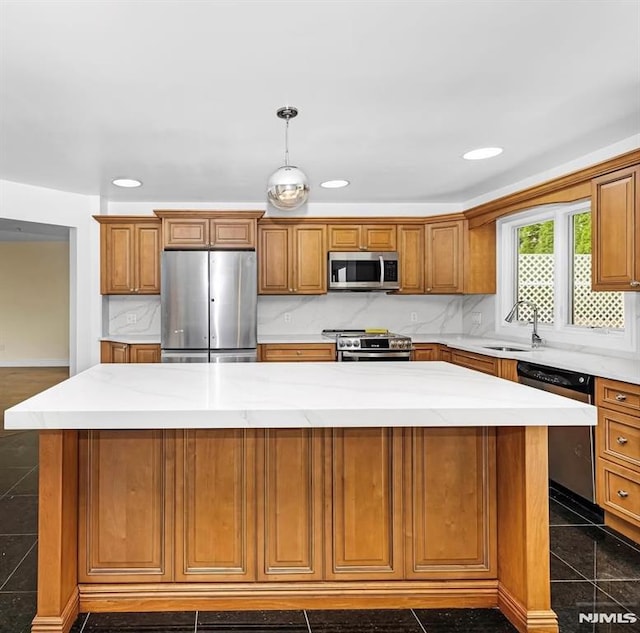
[[133, 339], [291, 395], [625, 369]]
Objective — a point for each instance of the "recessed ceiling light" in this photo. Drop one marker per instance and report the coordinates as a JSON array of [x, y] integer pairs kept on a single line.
[[127, 182], [334, 184], [483, 152]]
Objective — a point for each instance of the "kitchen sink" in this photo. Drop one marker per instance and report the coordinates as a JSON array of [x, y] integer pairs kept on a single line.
[[506, 348]]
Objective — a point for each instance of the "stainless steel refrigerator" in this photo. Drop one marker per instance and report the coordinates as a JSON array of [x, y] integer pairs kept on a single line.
[[209, 306]]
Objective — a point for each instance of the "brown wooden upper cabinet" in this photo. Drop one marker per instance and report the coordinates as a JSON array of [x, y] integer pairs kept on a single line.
[[444, 263], [202, 233], [615, 208], [411, 255], [459, 259], [362, 237], [292, 258], [129, 255], [209, 229]]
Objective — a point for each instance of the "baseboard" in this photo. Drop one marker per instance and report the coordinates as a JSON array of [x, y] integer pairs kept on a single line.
[[36, 362], [268, 596], [526, 621], [61, 623]]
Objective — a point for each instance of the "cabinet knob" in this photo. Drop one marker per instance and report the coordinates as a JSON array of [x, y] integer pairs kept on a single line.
[[299, 352], [290, 289], [428, 289], [623, 494], [635, 283], [621, 397], [622, 440]]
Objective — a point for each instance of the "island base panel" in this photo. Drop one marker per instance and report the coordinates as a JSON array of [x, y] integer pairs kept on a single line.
[[518, 582], [295, 595]]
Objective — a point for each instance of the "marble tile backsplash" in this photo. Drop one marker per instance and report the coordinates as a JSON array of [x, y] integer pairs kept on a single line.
[[483, 305], [310, 314], [132, 315]]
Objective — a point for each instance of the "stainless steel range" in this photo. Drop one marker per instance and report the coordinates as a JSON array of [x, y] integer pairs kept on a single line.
[[363, 346]]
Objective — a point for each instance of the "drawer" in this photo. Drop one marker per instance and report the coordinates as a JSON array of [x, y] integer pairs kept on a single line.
[[485, 364], [619, 491], [311, 352], [619, 438], [422, 351], [620, 396]]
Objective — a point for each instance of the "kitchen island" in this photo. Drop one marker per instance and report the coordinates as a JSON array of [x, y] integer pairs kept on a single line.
[[306, 485]]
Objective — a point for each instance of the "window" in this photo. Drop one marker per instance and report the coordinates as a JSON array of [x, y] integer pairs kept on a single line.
[[545, 259]]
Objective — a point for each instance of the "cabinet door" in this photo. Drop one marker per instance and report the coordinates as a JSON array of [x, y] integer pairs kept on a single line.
[[444, 257], [615, 202], [344, 237], [425, 352], [147, 258], [215, 500], [411, 254], [117, 265], [309, 274], [450, 503], [146, 353], [290, 517], [364, 508], [125, 507], [231, 233], [109, 350], [185, 233], [379, 237], [273, 257]]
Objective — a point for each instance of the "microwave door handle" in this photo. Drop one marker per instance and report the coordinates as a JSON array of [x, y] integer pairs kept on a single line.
[[381, 270]]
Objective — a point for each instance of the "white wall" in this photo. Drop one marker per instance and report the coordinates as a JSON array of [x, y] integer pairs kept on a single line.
[[311, 209], [49, 206]]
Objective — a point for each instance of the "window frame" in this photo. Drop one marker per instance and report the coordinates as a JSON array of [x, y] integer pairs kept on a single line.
[[561, 331]]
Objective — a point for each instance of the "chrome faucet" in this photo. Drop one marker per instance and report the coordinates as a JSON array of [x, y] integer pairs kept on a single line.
[[536, 341]]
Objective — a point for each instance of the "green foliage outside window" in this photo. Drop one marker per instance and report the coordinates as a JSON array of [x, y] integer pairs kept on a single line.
[[536, 238], [582, 233]]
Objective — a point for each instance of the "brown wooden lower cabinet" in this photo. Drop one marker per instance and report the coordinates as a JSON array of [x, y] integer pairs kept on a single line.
[[215, 505], [114, 352], [294, 519], [126, 500], [449, 486], [364, 494], [287, 505]]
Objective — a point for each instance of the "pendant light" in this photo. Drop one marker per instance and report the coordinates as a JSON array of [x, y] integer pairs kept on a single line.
[[287, 188]]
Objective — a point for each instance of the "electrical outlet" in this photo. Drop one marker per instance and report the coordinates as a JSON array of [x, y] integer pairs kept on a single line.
[[414, 317], [476, 318], [131, 318], [287, 317]]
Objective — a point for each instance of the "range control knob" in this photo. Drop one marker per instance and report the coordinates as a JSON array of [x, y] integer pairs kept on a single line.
[[356, 343]]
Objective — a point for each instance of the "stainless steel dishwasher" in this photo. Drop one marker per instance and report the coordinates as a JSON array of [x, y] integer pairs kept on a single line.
[[571, 448]]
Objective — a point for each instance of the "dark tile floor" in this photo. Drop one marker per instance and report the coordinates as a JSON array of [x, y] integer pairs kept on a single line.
[[593, 569]]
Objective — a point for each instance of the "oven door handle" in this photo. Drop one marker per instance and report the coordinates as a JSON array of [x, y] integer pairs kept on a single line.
[[381, 270], [346, 354]]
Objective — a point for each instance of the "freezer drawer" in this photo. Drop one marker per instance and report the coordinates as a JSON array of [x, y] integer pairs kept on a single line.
[[185, 356]]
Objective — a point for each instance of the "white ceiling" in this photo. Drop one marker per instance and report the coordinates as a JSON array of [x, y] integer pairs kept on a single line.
[[183, 94]]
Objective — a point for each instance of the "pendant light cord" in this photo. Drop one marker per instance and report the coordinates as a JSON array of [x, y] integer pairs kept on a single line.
[[286, 144]]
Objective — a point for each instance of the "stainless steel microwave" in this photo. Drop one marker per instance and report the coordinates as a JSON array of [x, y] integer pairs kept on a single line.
[[363, 271]]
